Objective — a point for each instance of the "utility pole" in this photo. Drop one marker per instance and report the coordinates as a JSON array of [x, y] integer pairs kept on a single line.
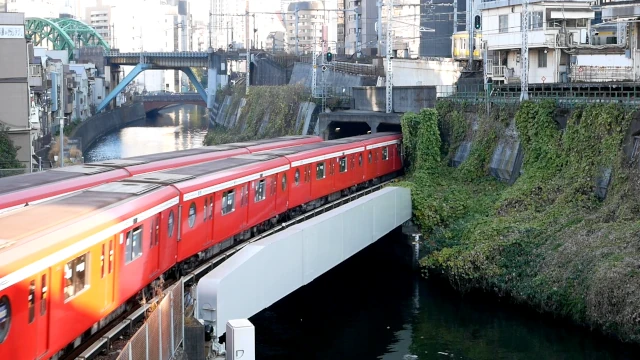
[[524, 56], [389, 74], [358, 33], [61, 118], [248, 36], [455, 16], [470, 31], [314, 67], [380, 27], [297, 18]]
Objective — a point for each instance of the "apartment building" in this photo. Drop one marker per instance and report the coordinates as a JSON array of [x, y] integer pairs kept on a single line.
[[312, 30], [99, 17]]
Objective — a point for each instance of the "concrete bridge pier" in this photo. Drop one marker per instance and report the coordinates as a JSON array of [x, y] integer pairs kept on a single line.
[[212, 72]]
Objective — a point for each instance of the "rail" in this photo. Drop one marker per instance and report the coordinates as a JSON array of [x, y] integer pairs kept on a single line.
[[143, 343]]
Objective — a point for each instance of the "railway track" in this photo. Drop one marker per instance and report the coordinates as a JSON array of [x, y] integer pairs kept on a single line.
[[125, 326]]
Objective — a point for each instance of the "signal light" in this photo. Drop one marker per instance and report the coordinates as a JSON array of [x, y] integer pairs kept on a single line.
[[477, 22], [329, 57]]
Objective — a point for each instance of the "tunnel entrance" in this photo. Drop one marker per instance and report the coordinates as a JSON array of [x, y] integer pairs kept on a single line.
[[339, 129], [389, 127]]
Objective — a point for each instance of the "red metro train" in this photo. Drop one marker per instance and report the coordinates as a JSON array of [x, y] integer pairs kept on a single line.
[[17, 191], [69, 264]]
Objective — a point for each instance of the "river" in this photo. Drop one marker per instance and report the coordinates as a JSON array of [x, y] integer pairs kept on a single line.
[[373, 307]]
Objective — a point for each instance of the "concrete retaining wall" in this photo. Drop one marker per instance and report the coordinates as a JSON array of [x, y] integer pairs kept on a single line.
[[405, 98], [302, 75], [101, 124]]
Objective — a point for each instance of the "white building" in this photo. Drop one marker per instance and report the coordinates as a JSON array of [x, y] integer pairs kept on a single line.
[[556, 32], [313, 25], [406, 29], [99, 17], [148, 26]]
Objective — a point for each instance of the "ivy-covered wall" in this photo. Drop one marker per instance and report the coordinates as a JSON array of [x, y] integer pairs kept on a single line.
[[269, 111], [548, 240]]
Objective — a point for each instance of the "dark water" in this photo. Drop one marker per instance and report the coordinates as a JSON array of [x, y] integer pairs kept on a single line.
[[176, 128], [371, 307]]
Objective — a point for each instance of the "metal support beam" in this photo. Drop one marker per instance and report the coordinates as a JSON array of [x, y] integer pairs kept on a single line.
[[123, 84], [470, 31], [195, 82]]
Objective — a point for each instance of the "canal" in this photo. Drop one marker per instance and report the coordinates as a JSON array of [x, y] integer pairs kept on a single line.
[[373, 306]]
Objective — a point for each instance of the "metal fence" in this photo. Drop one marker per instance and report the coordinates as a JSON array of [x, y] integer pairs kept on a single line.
[[162, 332]]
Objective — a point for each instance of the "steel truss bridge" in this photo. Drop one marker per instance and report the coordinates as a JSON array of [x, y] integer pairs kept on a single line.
[[63, 34]]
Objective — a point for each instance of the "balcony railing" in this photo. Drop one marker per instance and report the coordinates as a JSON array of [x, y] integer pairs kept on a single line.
[[601, 73]]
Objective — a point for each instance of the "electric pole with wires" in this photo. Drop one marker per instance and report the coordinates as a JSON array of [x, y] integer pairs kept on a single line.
[[524, 56]]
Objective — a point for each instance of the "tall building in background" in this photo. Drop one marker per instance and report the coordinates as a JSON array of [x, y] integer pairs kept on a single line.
[[311, 19], [406, 28], [340, 33], [99, 17], [438, 15], [35, 8], [3, 5]]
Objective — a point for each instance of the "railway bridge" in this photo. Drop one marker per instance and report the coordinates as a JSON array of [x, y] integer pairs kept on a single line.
[[160, 101]]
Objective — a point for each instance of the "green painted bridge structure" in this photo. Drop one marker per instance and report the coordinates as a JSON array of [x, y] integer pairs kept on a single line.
[[63, 34]]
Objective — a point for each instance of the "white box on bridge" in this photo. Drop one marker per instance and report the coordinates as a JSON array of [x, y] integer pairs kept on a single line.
[[241, 340]]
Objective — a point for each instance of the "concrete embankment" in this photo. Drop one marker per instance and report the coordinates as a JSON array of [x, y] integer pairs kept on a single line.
[[101, 124]]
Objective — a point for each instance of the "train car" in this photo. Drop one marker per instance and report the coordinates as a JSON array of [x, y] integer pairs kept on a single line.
[[18, 191], [69, 265]]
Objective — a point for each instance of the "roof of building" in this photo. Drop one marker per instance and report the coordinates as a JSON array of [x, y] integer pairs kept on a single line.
[[306, 5]]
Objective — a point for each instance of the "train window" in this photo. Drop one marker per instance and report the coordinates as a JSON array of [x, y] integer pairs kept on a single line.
[[170, 223], [360, 160], [320, 171], [75, 276], [206, 206], [210, 207], [296, 177], [110, 256], [32, 301], [260, 191], [228, 201], [343, 164], [43, 295], [192, 214], [369, 157], [284, 182], [134, 244], [385, 153], [5, 318], [102, 262]]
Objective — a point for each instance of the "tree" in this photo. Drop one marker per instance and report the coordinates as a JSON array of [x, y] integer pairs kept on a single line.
[[8, 151]]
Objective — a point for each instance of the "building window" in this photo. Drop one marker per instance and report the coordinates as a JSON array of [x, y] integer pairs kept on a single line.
[[134, 244], [504, 23], [343, 164], [261, 193], [320, 171], [535, 20], [75, 276], [542, 58], [228, 201]]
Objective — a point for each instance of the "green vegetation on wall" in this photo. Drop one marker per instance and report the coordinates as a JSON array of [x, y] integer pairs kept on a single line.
[[547, 240], [278, 104], [8, 152]]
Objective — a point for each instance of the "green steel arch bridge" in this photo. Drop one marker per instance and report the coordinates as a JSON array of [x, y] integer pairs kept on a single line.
[[63, 34]]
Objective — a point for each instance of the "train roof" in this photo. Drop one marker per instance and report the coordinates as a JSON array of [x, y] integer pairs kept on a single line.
[[328, 144], [21, 182], [272, 140], [51, 231], [142, 159], [35, 218]]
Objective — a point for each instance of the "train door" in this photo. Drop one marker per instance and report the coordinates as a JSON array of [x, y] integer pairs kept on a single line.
[[39, 310], [154, 243], [307, 180]]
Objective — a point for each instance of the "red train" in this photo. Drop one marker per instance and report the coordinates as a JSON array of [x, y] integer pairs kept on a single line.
[[17, 191], [70, 264]]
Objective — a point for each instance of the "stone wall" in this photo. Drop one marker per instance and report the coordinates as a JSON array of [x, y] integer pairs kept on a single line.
[[405, 98], [101, 124]]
